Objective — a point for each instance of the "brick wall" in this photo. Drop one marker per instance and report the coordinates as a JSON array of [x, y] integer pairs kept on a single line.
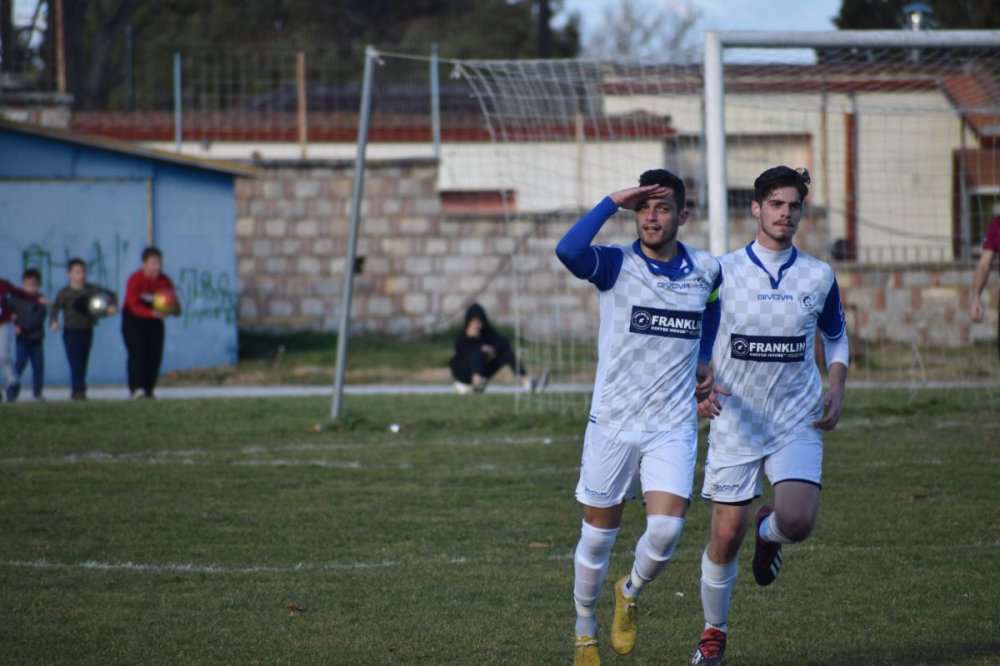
[[421, 267]]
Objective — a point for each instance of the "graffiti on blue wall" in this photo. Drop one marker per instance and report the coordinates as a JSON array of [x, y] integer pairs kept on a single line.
[[104, 265], [204, 296]]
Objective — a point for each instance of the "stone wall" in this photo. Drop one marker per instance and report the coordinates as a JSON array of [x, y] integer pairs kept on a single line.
[[419, 268]]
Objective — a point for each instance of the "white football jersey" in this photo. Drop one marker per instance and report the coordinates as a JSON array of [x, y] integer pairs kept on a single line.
[[764, 351], [650, 330]]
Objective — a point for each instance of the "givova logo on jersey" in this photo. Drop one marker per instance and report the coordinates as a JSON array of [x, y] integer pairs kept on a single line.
[[768, 348], [665, 323]]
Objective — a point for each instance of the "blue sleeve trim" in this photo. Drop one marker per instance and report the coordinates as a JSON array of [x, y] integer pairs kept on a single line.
[[832, 321], [709, 329], [609, 266]]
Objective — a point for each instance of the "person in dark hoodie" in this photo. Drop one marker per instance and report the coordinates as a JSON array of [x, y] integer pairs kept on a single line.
[[481, 352]]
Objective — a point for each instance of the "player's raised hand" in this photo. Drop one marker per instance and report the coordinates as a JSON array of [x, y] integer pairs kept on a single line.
[[631, 197], [711, 407]]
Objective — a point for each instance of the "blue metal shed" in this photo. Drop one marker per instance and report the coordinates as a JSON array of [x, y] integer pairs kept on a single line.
[[65, 195]]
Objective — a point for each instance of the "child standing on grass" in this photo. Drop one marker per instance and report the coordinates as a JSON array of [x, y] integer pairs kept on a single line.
[[142, 324], [29, 329], [78, 322], [8, 378]]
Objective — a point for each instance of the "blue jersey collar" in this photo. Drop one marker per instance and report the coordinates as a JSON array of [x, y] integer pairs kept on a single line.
[[676, 268], [781, 271]]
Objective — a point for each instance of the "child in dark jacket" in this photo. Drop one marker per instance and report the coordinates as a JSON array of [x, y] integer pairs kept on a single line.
[[9, 385], [79, 320], [29, 331]]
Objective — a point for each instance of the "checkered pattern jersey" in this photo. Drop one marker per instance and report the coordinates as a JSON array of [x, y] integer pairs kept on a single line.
[[646, 382], [770, 398]]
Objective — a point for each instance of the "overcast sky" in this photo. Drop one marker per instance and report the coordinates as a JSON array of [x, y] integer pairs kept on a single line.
[[795, 15]]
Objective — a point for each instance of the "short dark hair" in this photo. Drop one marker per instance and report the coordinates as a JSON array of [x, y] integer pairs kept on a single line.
[[780, 176], [75, 261], [151, 251], [669, 180], [31, 274]]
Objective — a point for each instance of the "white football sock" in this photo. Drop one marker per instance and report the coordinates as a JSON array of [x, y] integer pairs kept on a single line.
[[717, 582], [591, 559], [653, 551], [769, 531]]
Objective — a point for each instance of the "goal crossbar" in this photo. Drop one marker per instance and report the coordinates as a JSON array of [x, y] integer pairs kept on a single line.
[[715, 110]]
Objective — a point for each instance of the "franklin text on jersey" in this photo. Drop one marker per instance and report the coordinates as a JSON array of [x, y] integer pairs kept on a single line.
[[764, 352], [648, 345]]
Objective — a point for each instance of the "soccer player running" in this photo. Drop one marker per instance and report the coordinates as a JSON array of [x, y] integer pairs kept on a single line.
[[658, 317], [767, 408]]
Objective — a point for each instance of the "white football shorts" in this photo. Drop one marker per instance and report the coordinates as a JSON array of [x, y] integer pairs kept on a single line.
[[733, 479], [615, 462]]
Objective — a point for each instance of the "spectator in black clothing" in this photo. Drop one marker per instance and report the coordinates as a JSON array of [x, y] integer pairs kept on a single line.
[[29, 329], [480, 352]]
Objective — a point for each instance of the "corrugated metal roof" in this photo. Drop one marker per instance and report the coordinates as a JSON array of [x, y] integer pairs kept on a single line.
[[114, 145]]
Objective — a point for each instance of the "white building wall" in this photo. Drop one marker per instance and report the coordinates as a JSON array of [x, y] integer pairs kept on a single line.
[[904, 159]]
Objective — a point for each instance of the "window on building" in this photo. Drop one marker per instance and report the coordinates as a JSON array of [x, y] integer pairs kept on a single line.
[[983, 206]]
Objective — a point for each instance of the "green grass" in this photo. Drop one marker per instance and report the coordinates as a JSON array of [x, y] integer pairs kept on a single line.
[[309, 357], [178, 531]]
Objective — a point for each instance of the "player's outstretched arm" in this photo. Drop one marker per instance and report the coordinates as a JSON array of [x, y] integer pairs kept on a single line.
[[834, 398]]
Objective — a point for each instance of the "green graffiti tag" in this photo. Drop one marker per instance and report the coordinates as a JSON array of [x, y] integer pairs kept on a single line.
[[104, 267], [204, 296]]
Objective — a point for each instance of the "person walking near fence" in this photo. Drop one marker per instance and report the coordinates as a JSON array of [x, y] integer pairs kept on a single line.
[[991, 247]]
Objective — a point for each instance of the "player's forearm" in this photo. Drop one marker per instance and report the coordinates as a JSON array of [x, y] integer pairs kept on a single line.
[[982, 273], [979, 280], [838, 377]]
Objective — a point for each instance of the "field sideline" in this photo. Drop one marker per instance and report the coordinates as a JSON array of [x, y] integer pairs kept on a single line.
[[256, 531]]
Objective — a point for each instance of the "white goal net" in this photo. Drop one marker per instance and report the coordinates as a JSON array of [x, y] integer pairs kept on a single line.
[[900, 132], [902, 141]]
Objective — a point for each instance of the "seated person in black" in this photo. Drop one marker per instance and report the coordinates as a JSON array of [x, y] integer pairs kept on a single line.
[[480, 352]]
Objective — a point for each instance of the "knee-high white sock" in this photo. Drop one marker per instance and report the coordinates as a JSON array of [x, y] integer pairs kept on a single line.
[[717, 582], [769, 531], [590, 563], [653, 551]]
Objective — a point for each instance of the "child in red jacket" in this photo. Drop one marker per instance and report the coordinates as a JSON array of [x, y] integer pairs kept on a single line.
[[149, 299]]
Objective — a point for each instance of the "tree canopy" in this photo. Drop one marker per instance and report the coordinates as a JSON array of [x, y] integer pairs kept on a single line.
[[944, 15], [98, 31]]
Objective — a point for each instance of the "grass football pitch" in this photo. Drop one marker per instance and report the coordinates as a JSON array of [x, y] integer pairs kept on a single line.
[[256, 531]]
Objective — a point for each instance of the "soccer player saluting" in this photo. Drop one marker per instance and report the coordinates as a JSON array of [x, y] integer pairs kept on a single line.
[[658, 317], [767, 407]]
